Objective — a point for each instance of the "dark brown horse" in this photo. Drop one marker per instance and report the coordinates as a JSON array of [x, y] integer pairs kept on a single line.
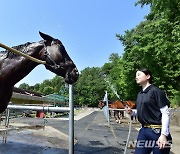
[[13, 67]]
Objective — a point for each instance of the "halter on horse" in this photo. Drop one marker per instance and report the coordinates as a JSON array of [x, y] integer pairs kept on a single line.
[[13, 67]]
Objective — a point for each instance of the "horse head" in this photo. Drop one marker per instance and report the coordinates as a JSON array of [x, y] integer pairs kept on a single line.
[[57, 59], [101, 104], [130, 104]]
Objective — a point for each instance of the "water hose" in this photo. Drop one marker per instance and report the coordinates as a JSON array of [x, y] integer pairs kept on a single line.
[[127, 141]]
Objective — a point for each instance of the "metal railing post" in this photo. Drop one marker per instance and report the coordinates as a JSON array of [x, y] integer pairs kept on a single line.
[[7, 118], [107, 103], [71, 121]]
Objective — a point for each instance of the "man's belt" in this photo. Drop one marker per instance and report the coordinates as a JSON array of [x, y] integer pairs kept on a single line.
[[152, 126]]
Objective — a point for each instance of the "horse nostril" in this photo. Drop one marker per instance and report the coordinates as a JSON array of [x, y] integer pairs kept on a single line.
[[76, 70]]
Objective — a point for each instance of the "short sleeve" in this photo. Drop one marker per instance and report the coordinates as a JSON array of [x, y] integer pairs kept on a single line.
[[161, 98]]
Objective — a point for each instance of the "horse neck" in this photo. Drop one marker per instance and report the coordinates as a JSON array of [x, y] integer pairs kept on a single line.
[[17, 67], [131, 104]]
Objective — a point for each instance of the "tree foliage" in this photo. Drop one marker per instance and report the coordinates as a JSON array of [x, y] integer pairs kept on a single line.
[[55, 85], [90, 87], [154, 44]]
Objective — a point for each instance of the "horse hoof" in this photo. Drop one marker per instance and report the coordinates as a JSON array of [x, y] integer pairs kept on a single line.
[[119, 122]]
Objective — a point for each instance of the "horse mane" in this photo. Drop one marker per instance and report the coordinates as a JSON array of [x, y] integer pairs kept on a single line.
[[9, 54], [19, 47]]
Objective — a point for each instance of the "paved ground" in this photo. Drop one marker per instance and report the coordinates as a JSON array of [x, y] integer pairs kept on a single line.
[[92, 135], [175, 132]]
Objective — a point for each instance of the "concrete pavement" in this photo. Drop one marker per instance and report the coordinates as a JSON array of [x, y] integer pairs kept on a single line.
[[92, 135]]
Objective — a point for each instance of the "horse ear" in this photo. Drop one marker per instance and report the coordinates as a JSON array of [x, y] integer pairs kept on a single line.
[[45, 36]]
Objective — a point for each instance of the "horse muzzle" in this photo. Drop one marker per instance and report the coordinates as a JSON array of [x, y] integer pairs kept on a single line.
[[72, 77]]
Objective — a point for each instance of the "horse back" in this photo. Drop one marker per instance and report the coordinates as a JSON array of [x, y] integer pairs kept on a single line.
[[117, 105]]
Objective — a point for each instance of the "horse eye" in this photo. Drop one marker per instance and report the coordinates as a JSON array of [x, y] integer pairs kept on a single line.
[[52, 43], [55, 43]]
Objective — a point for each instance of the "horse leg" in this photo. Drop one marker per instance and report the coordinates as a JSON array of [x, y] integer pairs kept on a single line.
[[115, 113], [122, 114], [119, 116], [5, 96], [135, 118], [132, 117], [110, 113]]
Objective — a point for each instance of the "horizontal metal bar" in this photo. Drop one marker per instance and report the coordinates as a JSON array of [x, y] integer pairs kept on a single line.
[[119, 109], [39, 108]]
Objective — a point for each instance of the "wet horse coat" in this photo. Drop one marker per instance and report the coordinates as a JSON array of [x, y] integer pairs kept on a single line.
[[13, 67]]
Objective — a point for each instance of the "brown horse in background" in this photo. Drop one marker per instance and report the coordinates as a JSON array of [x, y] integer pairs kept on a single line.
[[121, 105], [101, 104], [118, 115]]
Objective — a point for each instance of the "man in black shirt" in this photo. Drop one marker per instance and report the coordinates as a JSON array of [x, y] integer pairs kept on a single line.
[[153, 114]]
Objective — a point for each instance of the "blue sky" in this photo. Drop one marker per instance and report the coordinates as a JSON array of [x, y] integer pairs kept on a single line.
[[87, 28]]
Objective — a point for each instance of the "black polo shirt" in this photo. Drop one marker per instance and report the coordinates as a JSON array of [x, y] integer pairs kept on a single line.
[[149, 103]]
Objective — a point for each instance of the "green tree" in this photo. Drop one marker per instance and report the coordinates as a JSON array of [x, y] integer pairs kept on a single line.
[[59, 85], [36, 87], [48, 90], [154, 44], [24, 86], [90, 87]]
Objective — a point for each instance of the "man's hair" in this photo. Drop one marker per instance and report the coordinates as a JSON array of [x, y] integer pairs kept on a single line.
[[147, 72]]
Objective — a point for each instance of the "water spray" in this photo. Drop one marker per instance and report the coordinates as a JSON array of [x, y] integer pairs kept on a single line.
[[111, 86], [130, 121]]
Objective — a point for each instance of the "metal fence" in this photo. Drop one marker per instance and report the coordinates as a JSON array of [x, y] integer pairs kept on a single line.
[[69, 109]]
